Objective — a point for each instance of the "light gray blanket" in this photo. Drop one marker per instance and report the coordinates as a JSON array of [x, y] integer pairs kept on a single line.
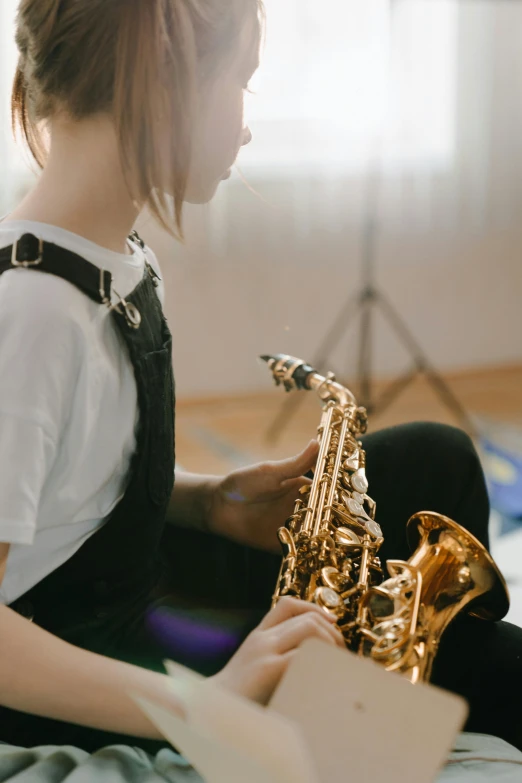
[[476, 759], [118, 764]]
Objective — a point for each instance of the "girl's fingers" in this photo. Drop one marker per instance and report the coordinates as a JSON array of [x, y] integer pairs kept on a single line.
[[291, 634], [287, 608], [297, 466]]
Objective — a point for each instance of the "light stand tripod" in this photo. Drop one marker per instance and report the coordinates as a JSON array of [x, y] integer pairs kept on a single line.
[[364, 303]]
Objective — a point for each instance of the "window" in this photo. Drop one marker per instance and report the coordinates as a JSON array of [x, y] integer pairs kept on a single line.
[[344, 80]]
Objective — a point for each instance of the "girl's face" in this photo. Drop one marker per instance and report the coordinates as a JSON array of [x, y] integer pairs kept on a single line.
[[220, 133]]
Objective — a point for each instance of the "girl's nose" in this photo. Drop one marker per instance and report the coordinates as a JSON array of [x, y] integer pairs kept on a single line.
[[247, 137]]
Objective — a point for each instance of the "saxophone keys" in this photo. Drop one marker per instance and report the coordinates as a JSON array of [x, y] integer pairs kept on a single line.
[[360, 483], [353, 506], [286, 540], [328, 599], [352, 463], [346, 537], [333, 579], [373, 528]]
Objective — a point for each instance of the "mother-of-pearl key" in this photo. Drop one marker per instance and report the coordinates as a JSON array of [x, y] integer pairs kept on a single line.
[[354, 507], [360, 483], [373, 528]]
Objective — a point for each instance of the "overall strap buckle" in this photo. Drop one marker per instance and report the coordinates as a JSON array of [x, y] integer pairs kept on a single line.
[[105, 287], [128, 310], [27, 250]]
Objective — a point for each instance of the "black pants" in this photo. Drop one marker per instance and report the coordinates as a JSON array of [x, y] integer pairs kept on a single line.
[[417, 467]]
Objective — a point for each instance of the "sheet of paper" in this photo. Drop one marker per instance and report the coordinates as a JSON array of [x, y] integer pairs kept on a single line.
[[244, 720], [359, 719], [261, 734], [215, 761]]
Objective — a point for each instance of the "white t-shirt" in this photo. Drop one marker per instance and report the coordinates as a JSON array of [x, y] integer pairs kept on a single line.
[[68, 407]]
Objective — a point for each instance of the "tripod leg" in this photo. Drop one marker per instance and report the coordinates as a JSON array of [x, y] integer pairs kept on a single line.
[[334, 334], [365, 390], [394, 390], [447, 396], [423, 365]]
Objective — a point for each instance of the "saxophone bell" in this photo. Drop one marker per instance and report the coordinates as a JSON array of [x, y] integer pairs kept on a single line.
[[449, 571]]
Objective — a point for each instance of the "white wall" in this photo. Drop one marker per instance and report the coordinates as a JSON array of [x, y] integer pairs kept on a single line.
[[461, 298]]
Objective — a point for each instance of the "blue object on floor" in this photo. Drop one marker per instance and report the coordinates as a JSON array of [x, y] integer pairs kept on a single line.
[[503, 468], [508, 525]]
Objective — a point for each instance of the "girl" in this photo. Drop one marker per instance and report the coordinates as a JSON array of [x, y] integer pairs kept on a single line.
[[143, 100]]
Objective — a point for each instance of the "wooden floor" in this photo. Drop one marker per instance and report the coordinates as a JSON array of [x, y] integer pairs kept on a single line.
[[215, 436]]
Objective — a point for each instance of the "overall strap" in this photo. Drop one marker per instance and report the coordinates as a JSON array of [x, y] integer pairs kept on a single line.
[[30, 252]]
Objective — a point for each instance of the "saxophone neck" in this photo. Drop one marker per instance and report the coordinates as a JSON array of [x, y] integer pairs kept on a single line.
[[330, 390], [294, 373]]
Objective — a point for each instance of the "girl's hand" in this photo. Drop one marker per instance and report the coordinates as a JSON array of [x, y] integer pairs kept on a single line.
[[251, 504], [257, 667]]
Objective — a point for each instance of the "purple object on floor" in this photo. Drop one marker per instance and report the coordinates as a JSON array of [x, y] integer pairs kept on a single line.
[[188, 636]]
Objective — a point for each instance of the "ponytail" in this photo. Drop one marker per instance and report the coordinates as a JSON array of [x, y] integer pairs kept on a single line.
[[20, 116]]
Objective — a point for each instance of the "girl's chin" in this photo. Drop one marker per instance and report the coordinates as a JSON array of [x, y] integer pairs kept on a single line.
[[204, 195]]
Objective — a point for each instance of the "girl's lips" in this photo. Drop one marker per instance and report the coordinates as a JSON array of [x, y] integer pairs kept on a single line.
[[227, 174]]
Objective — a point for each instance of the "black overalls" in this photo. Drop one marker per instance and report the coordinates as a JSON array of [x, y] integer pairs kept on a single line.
[[97, 599]]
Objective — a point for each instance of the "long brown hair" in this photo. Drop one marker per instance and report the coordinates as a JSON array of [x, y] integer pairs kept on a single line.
[[142, 61]]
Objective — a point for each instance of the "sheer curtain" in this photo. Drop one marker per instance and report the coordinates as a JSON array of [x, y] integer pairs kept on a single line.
[[355, 100], [408, 94], [344, 81]]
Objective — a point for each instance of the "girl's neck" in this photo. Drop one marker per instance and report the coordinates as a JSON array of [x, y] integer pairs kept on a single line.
[[82, 188]]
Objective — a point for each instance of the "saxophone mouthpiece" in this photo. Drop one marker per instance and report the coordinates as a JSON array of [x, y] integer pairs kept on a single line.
[[274, 359], [289, 371]]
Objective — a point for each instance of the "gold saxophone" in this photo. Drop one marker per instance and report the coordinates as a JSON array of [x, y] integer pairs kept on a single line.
[[331, 544]]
